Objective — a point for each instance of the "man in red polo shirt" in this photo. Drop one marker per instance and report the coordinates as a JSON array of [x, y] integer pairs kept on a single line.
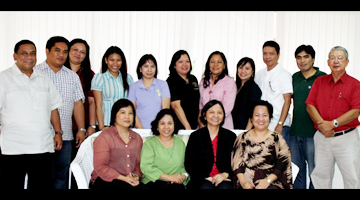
[[334, 106]]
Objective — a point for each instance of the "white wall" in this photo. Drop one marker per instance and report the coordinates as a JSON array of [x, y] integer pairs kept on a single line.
[[237, 34]]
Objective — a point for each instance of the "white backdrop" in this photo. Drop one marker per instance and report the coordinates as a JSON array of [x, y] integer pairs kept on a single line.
[[237, 34]]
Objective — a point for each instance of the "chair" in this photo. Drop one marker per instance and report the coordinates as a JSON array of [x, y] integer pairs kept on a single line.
[[295, 171], [82, 165]]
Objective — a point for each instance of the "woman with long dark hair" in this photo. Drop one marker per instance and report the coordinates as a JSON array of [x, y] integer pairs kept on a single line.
[[216, 84], [247, 92], [184, 90], [79, 62], [111, 84]]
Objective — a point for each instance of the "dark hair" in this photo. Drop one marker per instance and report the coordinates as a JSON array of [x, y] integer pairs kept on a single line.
[[142, 61], [272, 44], [159, 116], [241, 63], [207, 106], [175, 58], [85, 65], [17, 45], [307, 48], [207, 72], [123, 68], [261, 103], [121, 103], [51, 42]]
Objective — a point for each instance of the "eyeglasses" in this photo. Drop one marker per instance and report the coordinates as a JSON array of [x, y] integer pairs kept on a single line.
[[339, 59]]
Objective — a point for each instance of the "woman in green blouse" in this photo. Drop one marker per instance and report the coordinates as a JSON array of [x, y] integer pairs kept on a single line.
[[162, 155]]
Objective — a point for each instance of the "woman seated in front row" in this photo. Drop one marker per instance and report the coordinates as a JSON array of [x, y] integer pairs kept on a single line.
[[208, 151], [117, 151], [162, 156], [261, 158]]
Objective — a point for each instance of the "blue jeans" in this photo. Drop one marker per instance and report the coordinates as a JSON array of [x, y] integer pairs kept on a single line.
[[302, 149], [286, 133], [61, 165]]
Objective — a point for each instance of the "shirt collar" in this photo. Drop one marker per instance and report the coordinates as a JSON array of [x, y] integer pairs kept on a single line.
[[108, 75], [114, 131], [16, 71], [343, 78], [314, 75], [141, 85], [47, 67]]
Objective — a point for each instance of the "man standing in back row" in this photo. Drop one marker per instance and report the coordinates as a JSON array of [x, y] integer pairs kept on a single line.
[[334, 106], [301, 142], [276, 87], [68, 84], [29, 101]]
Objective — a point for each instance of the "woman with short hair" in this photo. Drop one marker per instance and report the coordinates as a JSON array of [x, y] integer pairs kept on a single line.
[[208, 151]]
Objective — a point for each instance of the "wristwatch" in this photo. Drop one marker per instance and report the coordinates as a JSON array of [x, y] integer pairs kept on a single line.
[[82, 129], [336, 123], [59, 132], [280, 123]]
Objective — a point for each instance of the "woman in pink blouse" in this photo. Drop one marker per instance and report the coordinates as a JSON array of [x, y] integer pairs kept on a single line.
[[117, 151], [216, 84]]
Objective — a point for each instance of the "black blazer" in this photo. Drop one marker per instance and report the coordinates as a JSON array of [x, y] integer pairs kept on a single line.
[[199, 155]]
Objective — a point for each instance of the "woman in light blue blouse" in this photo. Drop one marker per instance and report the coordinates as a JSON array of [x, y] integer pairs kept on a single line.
[[111, 84], [149, 94]]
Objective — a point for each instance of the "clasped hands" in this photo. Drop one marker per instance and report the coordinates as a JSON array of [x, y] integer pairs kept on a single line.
[[175, 178], [217, 179], [132, 179], [326, 128], [261, 184]]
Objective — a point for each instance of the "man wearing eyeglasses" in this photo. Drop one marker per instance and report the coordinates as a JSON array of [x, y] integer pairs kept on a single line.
[[334, 106]]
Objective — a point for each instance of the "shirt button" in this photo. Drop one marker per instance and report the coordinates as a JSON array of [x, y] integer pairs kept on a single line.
[[126, 145], [128, 165], [128, 155]]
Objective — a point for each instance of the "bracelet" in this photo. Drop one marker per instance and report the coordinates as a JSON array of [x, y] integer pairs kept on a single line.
[[268, 180], [59, 132], [186, 174]]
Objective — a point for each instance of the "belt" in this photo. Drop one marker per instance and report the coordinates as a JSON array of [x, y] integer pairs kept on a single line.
[[343, 132]]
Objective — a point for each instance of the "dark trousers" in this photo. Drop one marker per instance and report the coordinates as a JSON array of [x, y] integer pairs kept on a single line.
[[37, 166], [164, 185], [222, 185], [115, 184]]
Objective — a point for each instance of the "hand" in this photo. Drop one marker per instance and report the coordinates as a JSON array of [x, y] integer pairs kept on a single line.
[[134, 176], [90, 131], [176, 178], [132, 180], [58, 142], [247, 185], [218, 178], [80, 137], [326, 128], [262, 184], [279, 128]]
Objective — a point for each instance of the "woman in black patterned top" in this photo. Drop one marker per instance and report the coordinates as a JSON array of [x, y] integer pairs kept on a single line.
[[261, 158]]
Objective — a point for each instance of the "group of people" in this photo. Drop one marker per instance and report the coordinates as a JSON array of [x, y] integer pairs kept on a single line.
[[79, 102], [214, 158]]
